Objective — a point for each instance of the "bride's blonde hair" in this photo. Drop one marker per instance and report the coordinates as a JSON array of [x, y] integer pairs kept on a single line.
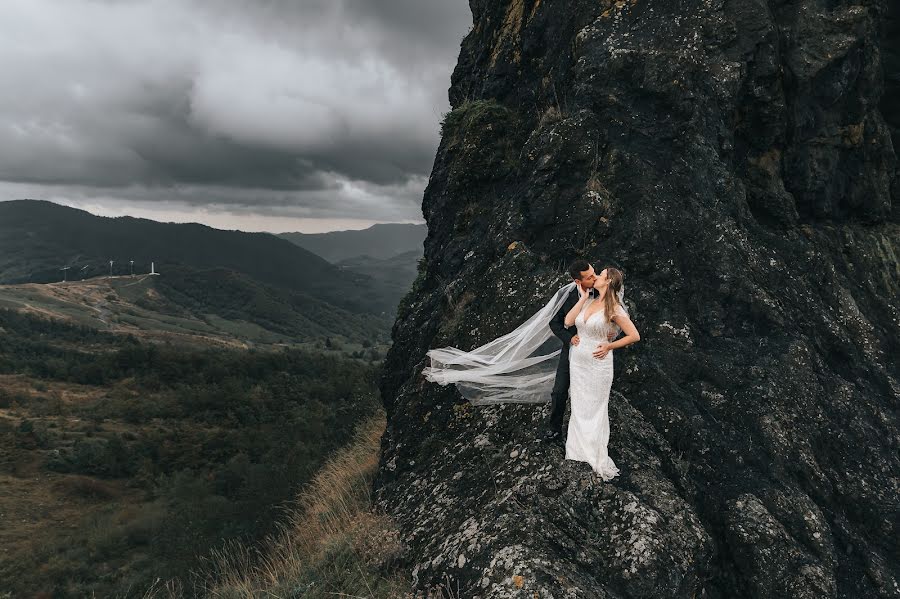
[[611, 299]]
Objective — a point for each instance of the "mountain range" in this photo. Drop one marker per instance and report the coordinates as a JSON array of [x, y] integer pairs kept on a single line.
[[38, 238], [380, 241], [258, 278]]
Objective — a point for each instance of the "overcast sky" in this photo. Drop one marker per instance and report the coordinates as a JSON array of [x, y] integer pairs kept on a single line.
[[277, 115]]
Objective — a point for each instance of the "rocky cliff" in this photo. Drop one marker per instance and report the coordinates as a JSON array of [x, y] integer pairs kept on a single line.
[[733, 159]]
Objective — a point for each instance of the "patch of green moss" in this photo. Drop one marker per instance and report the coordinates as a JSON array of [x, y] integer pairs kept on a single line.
[[473, 112], [483, 137]]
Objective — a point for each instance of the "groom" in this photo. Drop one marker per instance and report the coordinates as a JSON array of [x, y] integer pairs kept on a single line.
[[583, 273]]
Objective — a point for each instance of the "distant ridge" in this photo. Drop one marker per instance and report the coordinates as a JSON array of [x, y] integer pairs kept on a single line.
[[38, 237], [380, 241]]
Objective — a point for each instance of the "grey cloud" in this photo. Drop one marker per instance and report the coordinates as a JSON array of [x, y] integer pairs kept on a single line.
[[339, 199], [278, 102]]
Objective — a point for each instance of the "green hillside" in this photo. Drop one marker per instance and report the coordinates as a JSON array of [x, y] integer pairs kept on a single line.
[[215, 307]]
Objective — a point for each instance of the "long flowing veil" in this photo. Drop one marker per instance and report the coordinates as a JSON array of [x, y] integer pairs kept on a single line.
[[519, 367]]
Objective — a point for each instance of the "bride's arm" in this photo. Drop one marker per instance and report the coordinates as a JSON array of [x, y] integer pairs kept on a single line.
[[570, 317], [631, 334]]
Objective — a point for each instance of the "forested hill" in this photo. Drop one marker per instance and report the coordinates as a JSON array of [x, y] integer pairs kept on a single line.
[[38, 238], [124, 465]]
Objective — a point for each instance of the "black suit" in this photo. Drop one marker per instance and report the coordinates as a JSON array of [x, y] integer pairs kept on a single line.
[[560, 392]]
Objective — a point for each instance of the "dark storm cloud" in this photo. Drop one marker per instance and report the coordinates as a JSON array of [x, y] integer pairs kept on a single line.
[[320, 107]]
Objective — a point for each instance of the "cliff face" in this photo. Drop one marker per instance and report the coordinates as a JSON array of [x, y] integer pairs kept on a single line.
[[731, 158]]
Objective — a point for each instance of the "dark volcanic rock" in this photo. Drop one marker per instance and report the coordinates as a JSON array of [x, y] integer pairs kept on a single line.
[[732, 159]]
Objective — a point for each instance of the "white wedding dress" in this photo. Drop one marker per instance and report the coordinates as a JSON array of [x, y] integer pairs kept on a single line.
[[590, 380]]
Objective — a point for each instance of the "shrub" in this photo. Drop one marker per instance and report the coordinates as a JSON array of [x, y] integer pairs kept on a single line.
[[83, 487], [99, 457]]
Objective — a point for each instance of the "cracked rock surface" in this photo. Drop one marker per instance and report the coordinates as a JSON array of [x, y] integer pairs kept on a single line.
[[735, 161]]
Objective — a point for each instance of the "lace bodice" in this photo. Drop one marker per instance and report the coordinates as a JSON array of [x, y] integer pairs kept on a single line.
[[597, 325]]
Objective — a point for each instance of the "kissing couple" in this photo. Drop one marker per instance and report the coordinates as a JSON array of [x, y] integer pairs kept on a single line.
[[527, 364]]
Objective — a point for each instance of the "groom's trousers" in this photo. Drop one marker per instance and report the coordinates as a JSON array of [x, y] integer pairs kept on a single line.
[[560, 394]]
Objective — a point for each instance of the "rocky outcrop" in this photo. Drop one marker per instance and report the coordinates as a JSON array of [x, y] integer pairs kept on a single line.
[[733, 160]]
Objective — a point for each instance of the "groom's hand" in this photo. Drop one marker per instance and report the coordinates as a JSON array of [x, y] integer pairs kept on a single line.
[[575, 340]]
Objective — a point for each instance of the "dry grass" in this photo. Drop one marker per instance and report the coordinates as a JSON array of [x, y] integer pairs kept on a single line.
[[332, 543]]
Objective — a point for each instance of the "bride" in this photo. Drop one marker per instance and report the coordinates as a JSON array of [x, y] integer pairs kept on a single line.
[[591, 371], [519, 367]]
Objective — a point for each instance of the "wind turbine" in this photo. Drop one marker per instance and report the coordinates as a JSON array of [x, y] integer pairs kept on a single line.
[[65, 270], [132, 268], [84, 268], [110, 267], [153, 269]]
